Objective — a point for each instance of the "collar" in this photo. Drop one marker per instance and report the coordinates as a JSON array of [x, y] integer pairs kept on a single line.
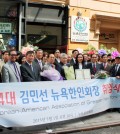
[[28, 63], [38, 60]]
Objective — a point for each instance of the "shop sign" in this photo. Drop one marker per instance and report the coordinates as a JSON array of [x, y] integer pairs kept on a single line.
[[80, 29], [5, 28]]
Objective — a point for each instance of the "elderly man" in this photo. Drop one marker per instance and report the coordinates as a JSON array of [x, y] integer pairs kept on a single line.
[[38, 58], [11, 70]]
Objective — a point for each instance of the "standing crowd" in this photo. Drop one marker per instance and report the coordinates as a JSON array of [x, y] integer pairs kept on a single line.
[[15, 67]]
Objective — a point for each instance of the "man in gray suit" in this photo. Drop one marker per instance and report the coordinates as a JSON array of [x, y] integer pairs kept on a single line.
[[38, 58], [5, 58], [11, 70]]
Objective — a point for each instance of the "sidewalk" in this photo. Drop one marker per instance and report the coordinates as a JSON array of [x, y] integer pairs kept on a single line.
[[101, 120]]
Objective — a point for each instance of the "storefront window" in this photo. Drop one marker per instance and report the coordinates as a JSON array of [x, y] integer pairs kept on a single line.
[[8, 26]]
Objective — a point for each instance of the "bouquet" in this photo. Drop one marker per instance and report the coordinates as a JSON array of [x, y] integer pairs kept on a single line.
[[69, 72], [101, 52], [28, 47], [101, 75], [51, 73]]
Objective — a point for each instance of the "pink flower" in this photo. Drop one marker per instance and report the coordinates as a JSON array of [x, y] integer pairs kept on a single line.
[[91, 52], [25, 49], [115, 54]]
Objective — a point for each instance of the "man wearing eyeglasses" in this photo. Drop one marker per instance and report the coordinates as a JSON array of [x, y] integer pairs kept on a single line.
[[94, 66], [11, 70]]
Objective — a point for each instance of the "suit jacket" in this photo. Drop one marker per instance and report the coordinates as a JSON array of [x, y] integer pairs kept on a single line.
[[36, 61], [29, 75], [61, 70], [76, 66], [1, 65], [92, 71], [72, 62], [85, 63], [8, 72], [113, 72], [56, 61], [107, 68]]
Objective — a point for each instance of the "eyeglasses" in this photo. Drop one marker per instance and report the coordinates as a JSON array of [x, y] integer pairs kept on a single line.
[[94, 57], [13, 55]]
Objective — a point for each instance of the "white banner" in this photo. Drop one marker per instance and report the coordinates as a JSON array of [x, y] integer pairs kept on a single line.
[[34, 103], [80, 29]]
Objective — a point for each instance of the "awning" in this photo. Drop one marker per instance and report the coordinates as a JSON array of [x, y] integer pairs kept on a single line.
[[52, 2]]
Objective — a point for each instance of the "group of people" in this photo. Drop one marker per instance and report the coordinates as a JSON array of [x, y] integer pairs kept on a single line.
[[15, 67]]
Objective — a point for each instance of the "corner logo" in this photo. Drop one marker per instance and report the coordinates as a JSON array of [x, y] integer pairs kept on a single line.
[[80, 24]]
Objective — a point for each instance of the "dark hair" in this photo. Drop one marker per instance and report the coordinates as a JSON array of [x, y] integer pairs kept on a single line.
[[19, 53], [74, 51], [45, 54], [57, 50], [77, 58], [20, 59], [12, 51], [29, 52], [38, 50], [5, 52], [113, 60], [103, 55], [94, 54], [109, 55]]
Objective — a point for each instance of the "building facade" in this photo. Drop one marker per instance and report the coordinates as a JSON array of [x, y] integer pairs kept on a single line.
[[104, 16], [49, 24]]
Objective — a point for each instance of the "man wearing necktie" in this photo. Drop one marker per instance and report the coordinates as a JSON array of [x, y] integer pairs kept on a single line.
[[11, 70], [94, 66], [105, 65], [38, 58], [30, 71], [115, 70]]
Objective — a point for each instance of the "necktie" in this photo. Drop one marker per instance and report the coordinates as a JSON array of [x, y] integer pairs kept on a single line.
[[17, 72], [116, 68], [94, 67], [31, 67], [104, 65], [86, 63], [40, 64]]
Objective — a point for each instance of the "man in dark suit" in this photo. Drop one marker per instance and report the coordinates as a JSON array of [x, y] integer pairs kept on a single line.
[[85, 60], [74, 54], [57, 56], [38, 58], [94, 66], [115, 70], [105, 65], [30, 71]]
